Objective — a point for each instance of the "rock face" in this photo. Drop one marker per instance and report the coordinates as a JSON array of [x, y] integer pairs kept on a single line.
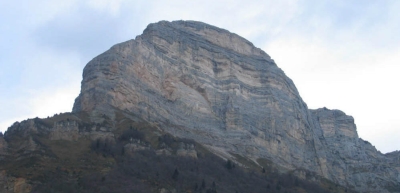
[[65, 130], [186, 150], [205, 83], [348, 158]]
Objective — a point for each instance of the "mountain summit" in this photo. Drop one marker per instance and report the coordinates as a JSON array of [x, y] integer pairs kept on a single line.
[[203, 83], [207, 84]]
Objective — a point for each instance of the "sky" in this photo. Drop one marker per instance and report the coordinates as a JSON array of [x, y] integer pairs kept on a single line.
[[340, 54]]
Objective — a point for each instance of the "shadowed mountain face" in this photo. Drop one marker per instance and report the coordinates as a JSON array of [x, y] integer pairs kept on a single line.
[[207, 84]]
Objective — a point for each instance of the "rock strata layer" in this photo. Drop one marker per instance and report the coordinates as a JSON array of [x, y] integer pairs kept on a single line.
[[201, 82]]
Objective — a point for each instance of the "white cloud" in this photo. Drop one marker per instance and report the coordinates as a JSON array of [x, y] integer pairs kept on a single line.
[[50, 102], [362, 84], [46, 83], [43, 103], [110, 6]]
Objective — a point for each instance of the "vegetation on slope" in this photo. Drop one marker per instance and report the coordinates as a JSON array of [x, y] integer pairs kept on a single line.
[[105, 165]]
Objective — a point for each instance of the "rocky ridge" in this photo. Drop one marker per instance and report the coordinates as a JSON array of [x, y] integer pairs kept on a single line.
[[205, 83], [199, 82]]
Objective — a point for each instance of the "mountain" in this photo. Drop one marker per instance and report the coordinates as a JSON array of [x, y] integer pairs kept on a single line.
[[193, 90]]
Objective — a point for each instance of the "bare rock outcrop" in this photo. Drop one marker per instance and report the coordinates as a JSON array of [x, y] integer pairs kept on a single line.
[[219, 91], [186, 150], [207, 84], [65, 130], [349, 159], [135, 145]]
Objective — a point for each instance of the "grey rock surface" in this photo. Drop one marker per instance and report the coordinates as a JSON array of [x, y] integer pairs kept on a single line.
[[351, 160], [201, 82], [65, 130], [186, 150]]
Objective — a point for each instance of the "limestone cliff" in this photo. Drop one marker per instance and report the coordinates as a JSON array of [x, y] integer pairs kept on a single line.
[[350, 159], [201, 82], [204, 83]]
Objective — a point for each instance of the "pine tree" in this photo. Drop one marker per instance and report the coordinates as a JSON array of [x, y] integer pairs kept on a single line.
[[229, 164], [203, 184], [176, 174]]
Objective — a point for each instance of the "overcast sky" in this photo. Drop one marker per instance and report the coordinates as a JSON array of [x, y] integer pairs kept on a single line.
[[340, 54]]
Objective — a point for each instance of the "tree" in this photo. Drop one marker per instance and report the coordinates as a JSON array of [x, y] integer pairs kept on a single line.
[[213, 188], [229, 164], [123, 150], [278, 187], [176, 174], [203, 184]]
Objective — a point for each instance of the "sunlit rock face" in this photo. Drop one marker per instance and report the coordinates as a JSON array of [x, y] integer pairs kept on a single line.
[[201, 82], [207, 84]]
